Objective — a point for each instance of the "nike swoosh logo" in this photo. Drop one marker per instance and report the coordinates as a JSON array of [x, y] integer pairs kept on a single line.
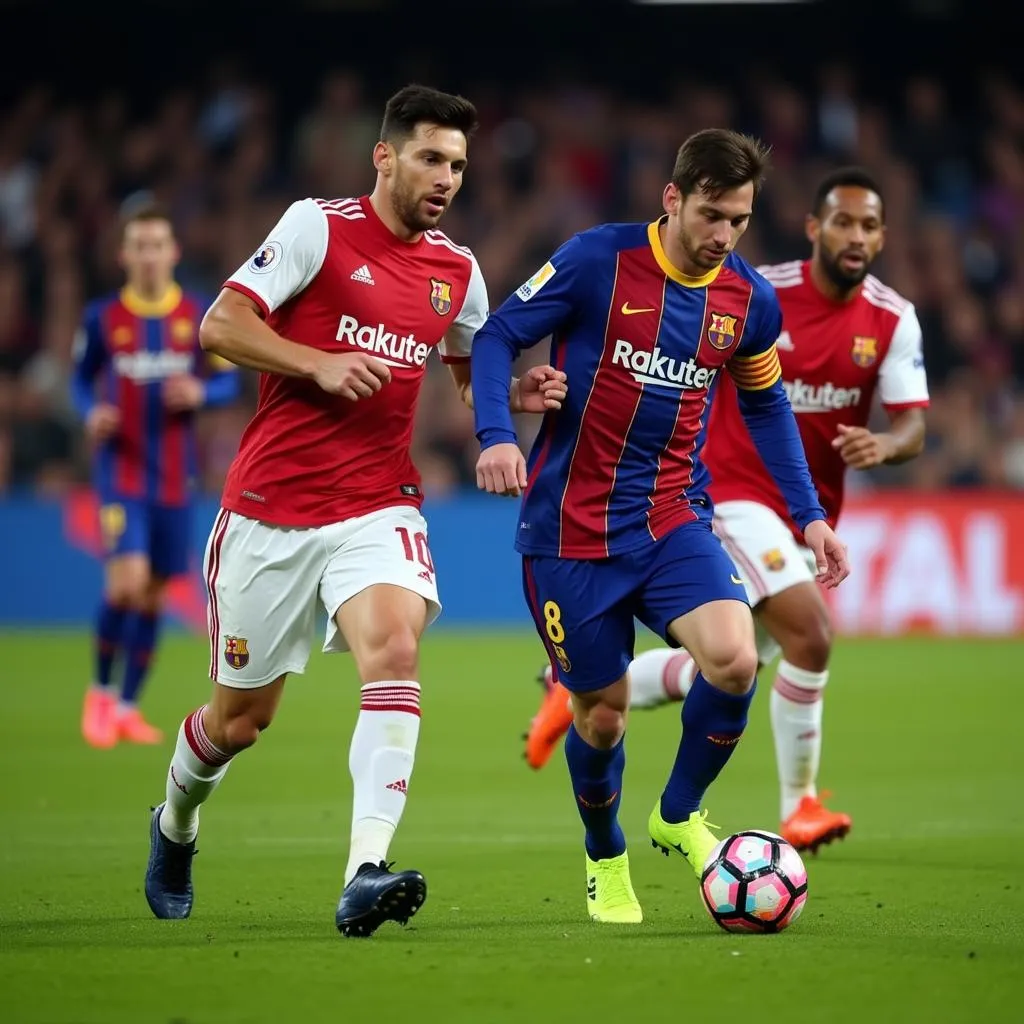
[[676, 846], [628, 310], [736, 580]]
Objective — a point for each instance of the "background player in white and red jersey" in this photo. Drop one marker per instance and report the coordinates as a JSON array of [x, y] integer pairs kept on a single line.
[[845, 337], [339, 309]]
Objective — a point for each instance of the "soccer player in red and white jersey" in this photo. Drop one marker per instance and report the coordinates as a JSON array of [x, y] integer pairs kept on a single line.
[[339, 309], [845, 337]]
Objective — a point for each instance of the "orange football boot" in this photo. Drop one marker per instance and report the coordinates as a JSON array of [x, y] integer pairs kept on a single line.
[[812, 825], [551, 722], [99, 718], [131, 726]]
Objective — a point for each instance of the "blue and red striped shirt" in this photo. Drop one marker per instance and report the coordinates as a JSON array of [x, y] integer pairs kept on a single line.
[[643, 346], [126, 349]]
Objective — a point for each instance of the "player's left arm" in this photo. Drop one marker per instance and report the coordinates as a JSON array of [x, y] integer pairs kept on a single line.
[[766, 410], [215, 383], [903, 389], [223, 383], [89, 355], [540, 389]]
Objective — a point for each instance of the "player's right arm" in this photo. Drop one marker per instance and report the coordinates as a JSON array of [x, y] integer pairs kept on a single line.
[[101, 419], [545, 303], [235, 326]]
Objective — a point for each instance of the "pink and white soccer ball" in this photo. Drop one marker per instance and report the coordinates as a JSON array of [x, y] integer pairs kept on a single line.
[[754, 881]]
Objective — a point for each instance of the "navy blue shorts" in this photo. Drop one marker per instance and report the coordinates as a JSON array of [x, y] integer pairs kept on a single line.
[[584, 609], [163, 533]]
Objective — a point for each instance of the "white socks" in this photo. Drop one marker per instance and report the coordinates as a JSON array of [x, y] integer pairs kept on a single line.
[[659, 676], [380, 760], [796, 712], [196, 769]]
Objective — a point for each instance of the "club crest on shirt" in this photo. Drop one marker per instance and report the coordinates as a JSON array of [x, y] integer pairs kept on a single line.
[[440, 296], [864, 351], [562, 658], [122, 335], [266, 259], [182, 331], [236, 651], [722, 330], [774, 561]]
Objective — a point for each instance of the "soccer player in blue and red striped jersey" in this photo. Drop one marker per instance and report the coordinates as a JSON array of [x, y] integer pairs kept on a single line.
[[615, 520], [140, 375]]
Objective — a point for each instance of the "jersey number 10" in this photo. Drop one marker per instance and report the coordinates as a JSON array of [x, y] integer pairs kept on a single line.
[[416, 549]]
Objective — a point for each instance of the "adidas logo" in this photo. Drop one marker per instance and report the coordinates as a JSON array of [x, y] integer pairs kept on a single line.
[[399, 785], [592, 888], [362, 275]]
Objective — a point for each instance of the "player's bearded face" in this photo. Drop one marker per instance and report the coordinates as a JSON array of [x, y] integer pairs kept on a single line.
[[710, 228], [428, 174], [849, 235]]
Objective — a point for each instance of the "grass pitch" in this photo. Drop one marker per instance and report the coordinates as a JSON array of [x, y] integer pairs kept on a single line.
[[916, 916]]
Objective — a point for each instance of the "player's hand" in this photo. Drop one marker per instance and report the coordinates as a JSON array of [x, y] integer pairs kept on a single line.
[[829, 553], [353, 375], [102, 422], [861, 449], [539, 389], [501, 469], [183, 393]]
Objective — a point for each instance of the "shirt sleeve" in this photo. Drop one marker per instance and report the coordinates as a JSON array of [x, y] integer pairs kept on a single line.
[[541, 305], [288, 260], [458, 340], [902, 381], [755, 366], [90, 356]]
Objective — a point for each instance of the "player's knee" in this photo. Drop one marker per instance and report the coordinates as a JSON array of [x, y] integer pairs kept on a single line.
[[393, 655], [136, 592], [239, 732], [118, 595], [604, 725], [733, 670], [809, 644]]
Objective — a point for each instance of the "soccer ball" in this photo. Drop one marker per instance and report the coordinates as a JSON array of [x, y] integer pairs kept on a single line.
[[754, 881]]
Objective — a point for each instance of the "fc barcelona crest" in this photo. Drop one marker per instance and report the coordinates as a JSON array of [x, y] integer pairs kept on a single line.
[[864, 351], [722, 330], [236, 651], [774, 560], [122, 335], [562, 658], [182, 330], [440, 296]]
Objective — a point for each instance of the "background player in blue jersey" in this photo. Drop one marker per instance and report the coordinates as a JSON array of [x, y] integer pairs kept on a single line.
[[139, 377], [615, 520]]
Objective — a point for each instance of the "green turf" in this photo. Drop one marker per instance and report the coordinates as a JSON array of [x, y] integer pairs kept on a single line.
[[917, 916]]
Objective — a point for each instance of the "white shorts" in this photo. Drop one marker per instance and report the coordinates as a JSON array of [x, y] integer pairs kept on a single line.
[[264, 584], [766, 556]]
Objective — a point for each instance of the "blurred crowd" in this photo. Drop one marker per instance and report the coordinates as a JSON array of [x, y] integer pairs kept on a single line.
[[547, 162]]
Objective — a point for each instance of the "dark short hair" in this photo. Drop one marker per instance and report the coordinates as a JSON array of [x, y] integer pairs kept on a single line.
[[717, 160], [420, 104], [142, 207], [845, 177]]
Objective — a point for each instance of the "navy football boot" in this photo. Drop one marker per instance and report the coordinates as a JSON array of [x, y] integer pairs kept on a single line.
[[375, 895], [168, 873]]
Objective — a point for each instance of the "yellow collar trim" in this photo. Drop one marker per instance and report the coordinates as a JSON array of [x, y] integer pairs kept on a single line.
[[138, 306], [671, 271]]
